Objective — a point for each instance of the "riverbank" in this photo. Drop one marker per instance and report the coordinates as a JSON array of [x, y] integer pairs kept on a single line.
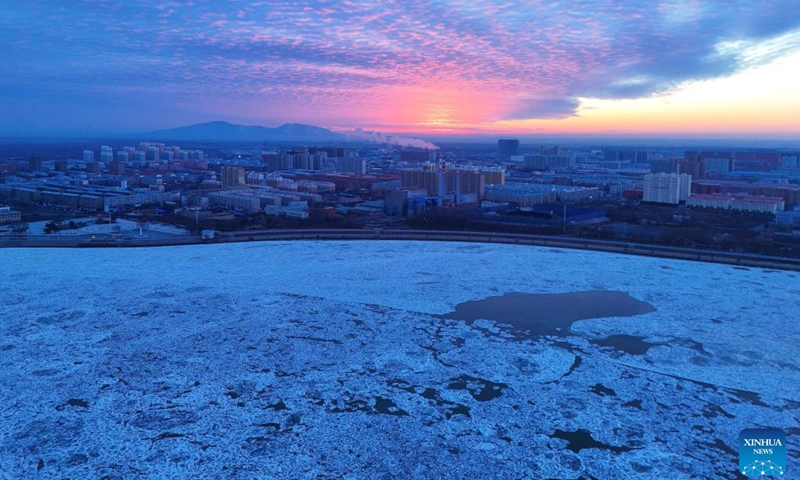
[[731, 258]]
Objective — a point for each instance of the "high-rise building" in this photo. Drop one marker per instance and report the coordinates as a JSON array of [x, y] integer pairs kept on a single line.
[[669, 188], [153, 153], [318, 160], [506, 148], [232, 176], [351, 165], [546, 150], [493, 175], [417, 156], [405, 201], [35, 164], [700, 162], [116, 167], [758, 161], [278, 161], [301, 160], [106, 154], [443, 180], [88, 156], [666, 166], [548, 162], [715, 166]]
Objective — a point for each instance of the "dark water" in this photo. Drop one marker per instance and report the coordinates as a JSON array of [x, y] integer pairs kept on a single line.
[[550, 313], [582, 439], [631, 344]]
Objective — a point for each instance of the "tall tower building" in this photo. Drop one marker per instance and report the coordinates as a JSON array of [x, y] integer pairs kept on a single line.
[[669, 188], [232, 177], [106, 154], [507, 148]]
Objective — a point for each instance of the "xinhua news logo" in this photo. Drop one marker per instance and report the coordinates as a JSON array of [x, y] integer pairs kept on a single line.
[[762, 452]]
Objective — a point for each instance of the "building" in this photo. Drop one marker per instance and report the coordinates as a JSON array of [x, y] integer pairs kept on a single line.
[[527, 194], [741, 203], [535, 162], [443, 180], [116, 167], [106, 154], [88, 156], [758, 204], [758, 161], [9, 216], [35, 164], [493, 175], [507, 148], [351, 165], [666, 166], [669, 188], [548, 162], [790, 161], [709, 201], [717, 166], [153, 154], [406, 201], [523, 194], [278, 161], [417, 156], [697, 163], [235, 201], [232, 176], [790, 218], [330, 152], [318, 160], [81, 196], [790, 193], [550, 151]]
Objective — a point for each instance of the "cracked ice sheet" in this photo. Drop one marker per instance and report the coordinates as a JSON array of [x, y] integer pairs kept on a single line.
[[320, 359]]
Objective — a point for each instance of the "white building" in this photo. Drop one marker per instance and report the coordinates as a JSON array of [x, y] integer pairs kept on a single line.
[[740, 203], [669, 188], [106, 154], [709, 201], [758, 204]]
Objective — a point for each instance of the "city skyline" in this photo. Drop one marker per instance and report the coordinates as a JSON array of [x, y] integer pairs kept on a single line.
[[683, 68]]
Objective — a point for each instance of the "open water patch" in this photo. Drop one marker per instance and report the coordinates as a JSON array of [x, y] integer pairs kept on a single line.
[[550, 313]]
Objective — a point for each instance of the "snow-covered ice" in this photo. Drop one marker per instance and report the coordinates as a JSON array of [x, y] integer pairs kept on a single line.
[[333, 360]]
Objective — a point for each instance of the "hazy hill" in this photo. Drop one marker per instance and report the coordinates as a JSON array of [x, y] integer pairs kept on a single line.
[[229, 132]]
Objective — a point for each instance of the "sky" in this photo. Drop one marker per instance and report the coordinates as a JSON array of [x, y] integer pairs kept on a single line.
[[684, 68]]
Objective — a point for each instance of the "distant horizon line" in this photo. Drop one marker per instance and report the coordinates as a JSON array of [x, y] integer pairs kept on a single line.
[[776, 141]]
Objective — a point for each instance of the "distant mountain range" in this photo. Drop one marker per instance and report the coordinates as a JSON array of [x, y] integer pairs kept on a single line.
[[229, 132]]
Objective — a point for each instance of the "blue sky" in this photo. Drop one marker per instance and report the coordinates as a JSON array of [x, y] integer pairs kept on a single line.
[[84, 67]]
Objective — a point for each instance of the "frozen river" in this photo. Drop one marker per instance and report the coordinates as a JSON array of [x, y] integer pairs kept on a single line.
[[388, 360]]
